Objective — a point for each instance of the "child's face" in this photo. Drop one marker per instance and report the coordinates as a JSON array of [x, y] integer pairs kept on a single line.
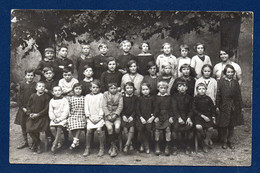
[[85, 49], [94, 89], [184, 52], [48, 75], [230, 73], [63, 52], [129, 89], [49, 55], [200, 49], [67, 76], [57, 91], [126, 47], [152, 70], [112, 90], [185, 71], [77, 91], [145, 90], [88, 72], [103, 49], [40, 87], [111, 66], [162, 89], [182, 88], [29, 77], [206, 72], [167, 70], [145, 48], [133, 68], [223, 56], [201, 90], [167, 49]]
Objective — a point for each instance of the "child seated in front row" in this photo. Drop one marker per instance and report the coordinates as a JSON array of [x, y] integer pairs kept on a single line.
[[164, 119], [128, 114], [204, 112], [58, 113], [85, 83], [145, 117], [67, 82], [182, 110], [94, 114], [112, 107], [37, 110]]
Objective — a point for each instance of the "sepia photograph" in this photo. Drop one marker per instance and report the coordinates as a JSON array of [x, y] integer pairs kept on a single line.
[[110, 87]]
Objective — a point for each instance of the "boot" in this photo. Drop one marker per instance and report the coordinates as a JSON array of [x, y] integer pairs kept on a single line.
[[157, 149], [114, 150], [167, 149], [24, 143], [141, 148], [88, 138], [74, 144], [101, 144]]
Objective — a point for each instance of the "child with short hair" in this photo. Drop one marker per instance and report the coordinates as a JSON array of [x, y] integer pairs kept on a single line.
[[84, 59], [166, 75], [112, 107], [200, 59], [49, 80], [47, 61], [100, 60], [94, 114], [145, 117], [188, 76], [85, 83], [143, 58], [128, 114], [112, 75], [204, 115], [132, 76], [77, 118], [163, 117], [182, 110], [210, 82], [63, 62], [152, 78], [58, 113], [183, 59], [26, 89], [168, 58], [229, 106], [123, 60], [67, 82], [38, 120]]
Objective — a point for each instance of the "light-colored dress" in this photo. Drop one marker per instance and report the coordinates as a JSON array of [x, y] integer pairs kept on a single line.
[[218, 70], [171, 59], [197, 64], [67, 86], [137, 80]]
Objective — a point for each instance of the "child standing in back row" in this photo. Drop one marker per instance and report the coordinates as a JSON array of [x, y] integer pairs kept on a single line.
[[143, 58], [100, 60], [183, 59]]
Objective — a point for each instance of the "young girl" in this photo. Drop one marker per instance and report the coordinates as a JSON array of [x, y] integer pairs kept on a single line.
[[94, 114], [112, 107], [152, 78], [77, 118], [167, 57], [132, 76], [166, 75], [84, 59], [229, 106], [183, 59], [128, 114], [145, 117], [126, 57], [200, 59], [26, 89], [112, 75], [100, 60], [37, 110], [204, 112], [58, 113], [85, 83], [143, 58], [188, 77], [210, 82]]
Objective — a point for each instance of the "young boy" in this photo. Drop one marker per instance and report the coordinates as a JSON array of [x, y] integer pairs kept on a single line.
[[163, 114], [183, 59], [85, 83], [100, 60], [63, 62], [84, 59], [26, 89], [182, 110], [49, 81], [67, 82]]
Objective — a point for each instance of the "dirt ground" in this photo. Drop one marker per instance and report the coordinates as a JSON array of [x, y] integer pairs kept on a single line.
[[241, 156]]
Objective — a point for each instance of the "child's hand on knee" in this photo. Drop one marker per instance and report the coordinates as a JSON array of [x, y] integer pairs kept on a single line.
[[171, 120], [150, 120], [189, 122], [205, 118], [142, 120], [114, 116], [156, 120], [180, 121], [214, 120], [25, 110], [130, 119], [125, 119]]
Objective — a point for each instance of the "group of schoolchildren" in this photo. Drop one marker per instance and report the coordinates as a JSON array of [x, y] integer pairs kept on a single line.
[[141, 100]]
